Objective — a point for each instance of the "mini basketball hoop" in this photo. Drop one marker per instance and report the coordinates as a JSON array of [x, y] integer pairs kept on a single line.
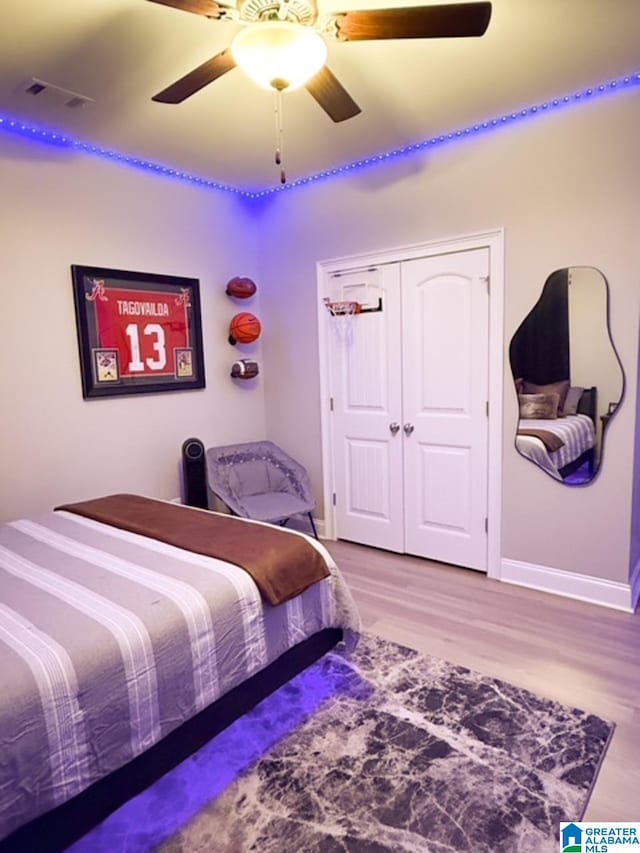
[[342, 315]]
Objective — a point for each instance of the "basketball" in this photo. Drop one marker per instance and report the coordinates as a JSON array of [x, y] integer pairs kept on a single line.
[[244, 329], [241, 287]]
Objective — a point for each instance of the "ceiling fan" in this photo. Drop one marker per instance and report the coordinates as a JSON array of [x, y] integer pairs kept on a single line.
[[281, 28]]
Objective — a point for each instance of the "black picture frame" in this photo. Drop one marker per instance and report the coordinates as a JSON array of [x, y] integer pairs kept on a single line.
[[138, 332]]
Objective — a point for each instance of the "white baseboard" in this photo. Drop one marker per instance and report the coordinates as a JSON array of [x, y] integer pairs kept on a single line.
[[634, 583], [619, 596]]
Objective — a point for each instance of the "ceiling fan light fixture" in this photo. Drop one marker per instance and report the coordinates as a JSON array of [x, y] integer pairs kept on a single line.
[[279, 54]]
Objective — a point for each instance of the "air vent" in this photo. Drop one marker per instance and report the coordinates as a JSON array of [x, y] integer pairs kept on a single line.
[[54, 95], [36, 88]]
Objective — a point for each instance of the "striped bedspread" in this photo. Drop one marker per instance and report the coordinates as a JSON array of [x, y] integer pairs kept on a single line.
[[577, 432], [110, 640]]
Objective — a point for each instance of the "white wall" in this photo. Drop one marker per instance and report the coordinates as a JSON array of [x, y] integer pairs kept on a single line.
[[565, 187], [635, 516], [592, 360], [60, 208]]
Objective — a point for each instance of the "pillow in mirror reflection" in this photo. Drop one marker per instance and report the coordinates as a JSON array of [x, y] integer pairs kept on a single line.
[[561, 388], [573, 400], [244, 368], [542, 406]]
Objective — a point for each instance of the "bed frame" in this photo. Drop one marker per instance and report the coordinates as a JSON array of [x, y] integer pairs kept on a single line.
[[588, 405], [58, 829]]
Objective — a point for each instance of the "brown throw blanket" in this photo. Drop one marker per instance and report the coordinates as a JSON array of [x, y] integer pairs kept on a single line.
[[282, 564], [550, 440]]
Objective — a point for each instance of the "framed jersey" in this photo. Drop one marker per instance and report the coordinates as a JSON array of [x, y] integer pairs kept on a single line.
[[138, 333]]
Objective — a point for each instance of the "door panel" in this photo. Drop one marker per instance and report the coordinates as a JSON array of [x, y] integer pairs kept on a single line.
[[445, 311], [449, 510], [367, 399], [443, 306], [366, 383], [367, 478]]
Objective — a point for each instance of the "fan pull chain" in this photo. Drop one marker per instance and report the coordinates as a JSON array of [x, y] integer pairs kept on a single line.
[[279, 136]]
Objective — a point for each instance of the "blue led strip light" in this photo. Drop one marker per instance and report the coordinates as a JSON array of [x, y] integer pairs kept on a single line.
[[59, 139], [158, 168], [11, 125], [38, 134], [482, 127]]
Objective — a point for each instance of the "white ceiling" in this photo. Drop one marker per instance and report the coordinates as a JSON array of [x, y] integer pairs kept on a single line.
[[121, 52]]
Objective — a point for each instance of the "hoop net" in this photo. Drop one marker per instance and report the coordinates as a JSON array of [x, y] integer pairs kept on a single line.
[[342, 315]]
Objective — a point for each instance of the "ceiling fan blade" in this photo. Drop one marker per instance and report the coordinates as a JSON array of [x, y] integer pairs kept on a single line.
[[332, 96], [208, 8], [452, 20], [196, 79]]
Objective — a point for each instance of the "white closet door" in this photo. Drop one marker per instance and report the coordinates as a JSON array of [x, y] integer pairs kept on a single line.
[[445, 324], [367, 401]]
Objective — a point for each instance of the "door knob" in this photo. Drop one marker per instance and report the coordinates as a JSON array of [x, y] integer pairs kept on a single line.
[[408, 429], [393, 428]]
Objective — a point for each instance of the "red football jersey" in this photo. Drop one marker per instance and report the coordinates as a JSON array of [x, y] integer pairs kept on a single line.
[[145, 327]]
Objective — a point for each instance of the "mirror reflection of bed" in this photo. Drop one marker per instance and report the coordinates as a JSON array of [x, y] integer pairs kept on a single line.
[[567, 376]]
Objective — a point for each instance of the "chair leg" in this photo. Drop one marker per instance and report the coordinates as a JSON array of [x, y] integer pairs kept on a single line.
[[313, 526]]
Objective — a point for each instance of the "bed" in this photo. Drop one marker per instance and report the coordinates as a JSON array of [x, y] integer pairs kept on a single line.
[[121, 654], [575, 434]]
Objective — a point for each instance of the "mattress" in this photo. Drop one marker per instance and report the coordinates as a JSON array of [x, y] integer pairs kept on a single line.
[[577, 432], [110, 640]]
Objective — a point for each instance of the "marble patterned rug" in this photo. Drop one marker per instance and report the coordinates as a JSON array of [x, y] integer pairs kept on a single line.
[[379, 749]]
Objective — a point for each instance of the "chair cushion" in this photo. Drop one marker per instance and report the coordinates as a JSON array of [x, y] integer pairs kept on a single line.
[[248, 478], [257, 476], [274, 506]]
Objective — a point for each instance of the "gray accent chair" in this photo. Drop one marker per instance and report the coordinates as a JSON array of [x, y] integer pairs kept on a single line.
[[259, 480]]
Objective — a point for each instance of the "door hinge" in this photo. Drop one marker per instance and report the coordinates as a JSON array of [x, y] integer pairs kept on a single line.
[[334, 498], [487, 281], [330, 404], [486, 407], [486, 525]]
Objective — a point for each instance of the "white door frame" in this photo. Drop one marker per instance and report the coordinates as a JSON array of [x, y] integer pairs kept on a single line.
[[494, 241]]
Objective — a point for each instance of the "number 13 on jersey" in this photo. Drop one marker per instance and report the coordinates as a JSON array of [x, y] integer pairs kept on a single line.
[[155, 332]]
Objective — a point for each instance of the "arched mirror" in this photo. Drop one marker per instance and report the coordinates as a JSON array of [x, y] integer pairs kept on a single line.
[[567, 376]]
